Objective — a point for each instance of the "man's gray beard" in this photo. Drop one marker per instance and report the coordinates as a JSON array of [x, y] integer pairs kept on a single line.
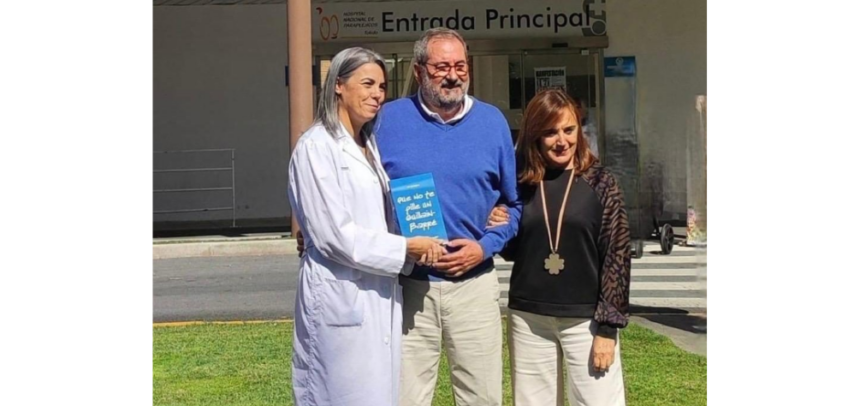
[[437, 99]]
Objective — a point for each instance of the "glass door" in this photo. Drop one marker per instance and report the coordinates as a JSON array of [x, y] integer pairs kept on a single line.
[[497, 79], [576, 71]]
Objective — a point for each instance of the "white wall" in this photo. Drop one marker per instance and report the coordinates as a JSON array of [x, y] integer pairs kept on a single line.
[[669, 40], [219, 83]]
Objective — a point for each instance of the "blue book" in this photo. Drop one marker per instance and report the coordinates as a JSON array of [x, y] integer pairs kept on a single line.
[[417, 207]]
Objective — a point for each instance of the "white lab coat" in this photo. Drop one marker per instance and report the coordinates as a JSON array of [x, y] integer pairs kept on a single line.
[[346, 344]]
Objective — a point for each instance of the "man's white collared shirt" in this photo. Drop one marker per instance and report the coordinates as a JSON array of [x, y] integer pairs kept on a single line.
[[467, 105]]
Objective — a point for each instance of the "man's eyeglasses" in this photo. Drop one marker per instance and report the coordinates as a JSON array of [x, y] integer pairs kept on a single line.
[[443, 69]]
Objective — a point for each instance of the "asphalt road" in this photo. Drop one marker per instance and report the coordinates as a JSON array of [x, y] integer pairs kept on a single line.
[[224, 288], [264, 287]]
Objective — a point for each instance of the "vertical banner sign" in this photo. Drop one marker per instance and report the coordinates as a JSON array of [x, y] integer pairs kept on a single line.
[[550, 77], [417, 207], [621, 154]]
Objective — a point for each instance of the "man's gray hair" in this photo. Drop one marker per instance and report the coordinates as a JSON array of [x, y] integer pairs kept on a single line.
[[419, 51], [343, 66]]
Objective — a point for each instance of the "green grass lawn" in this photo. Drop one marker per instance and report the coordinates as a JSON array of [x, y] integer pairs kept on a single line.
[[248, 364]]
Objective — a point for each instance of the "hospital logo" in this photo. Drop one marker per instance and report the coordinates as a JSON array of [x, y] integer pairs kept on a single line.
[[329, 25]]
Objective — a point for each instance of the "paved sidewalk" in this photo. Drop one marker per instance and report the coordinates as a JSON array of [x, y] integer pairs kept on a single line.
[[221, 246], [686, 331]]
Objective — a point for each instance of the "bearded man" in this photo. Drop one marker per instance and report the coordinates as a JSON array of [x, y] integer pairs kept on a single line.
[[466, 144]]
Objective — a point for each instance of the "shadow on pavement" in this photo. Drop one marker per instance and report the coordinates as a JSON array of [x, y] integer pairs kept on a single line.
[[681, 319]]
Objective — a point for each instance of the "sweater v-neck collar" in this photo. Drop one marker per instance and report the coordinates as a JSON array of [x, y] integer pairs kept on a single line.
[[422, 110]]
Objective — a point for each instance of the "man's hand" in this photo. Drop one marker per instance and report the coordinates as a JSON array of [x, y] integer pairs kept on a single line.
[[300, 242], [457, 263]]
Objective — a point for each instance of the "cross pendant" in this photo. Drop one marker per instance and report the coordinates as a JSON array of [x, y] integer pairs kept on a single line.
[[554, 264]]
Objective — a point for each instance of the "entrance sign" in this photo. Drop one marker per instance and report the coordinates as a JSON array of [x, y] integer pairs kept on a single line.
[[480, 19]]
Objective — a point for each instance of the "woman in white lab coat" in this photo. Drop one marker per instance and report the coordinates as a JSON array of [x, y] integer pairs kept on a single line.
[[346, 344]]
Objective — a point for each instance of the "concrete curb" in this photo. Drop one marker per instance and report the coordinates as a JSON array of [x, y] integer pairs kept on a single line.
[[224, 248], [229, 323], [690, 342]]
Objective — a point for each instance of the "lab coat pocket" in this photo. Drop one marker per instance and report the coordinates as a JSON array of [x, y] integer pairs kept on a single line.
[[342, 303]]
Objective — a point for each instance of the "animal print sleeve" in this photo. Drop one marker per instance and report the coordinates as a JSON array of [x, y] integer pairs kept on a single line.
[[614, 248]]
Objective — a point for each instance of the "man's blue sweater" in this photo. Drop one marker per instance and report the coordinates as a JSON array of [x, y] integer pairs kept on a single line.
[[473, 165]]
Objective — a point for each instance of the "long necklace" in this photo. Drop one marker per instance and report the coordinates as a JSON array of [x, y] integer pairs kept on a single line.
[[554, 263]]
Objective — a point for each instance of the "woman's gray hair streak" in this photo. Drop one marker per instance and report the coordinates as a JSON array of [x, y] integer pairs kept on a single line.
[[343, 66], [419, 51]]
